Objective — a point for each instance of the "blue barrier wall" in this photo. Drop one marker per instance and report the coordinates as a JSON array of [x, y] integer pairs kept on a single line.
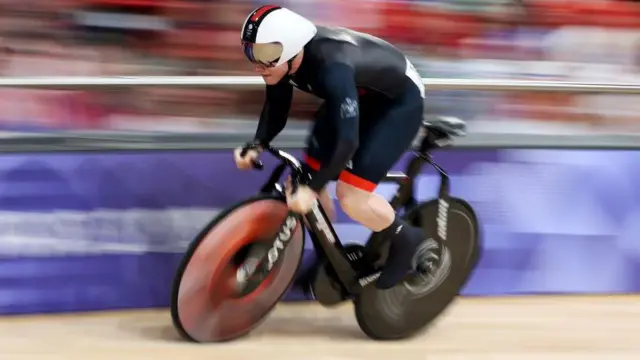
[[100, 231]]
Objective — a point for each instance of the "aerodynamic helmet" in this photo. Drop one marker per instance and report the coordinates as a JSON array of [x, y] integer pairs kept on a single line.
[[272, 35]]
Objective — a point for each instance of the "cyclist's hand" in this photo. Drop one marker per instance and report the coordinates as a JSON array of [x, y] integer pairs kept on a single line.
[[302, 200], [245, 162]]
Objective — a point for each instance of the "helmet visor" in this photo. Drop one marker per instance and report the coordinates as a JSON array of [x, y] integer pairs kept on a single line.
[[262, 54]]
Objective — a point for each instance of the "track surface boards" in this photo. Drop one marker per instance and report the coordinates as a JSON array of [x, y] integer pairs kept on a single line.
[[517, 328]]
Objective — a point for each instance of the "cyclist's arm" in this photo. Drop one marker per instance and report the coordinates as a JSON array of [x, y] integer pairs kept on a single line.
[[342, 108], [274, 112]]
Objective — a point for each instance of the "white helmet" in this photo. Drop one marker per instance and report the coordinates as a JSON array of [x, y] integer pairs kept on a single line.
[[272, 35]]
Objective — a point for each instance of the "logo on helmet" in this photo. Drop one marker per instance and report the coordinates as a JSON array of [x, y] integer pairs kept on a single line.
[[248, 32]]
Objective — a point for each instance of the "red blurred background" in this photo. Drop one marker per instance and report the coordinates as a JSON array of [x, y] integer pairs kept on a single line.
[[595, 41]]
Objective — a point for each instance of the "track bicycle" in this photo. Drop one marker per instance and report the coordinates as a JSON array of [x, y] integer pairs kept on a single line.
[[244, 261]]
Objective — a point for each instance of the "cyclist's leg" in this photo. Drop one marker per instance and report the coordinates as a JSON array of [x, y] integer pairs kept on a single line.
[[325, 200], [320, 143], [383, 141]]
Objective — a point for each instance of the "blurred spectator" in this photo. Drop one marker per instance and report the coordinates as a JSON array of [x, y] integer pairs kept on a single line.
[[569, 40]]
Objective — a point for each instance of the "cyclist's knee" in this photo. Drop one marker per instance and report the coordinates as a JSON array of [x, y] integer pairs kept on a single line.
[[352, 199], [364, 206]]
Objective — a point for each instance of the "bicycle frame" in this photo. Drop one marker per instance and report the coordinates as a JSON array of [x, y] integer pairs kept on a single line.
[[323, 235]]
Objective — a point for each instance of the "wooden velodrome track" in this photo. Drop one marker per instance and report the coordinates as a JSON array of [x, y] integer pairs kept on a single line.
[[572, 327]]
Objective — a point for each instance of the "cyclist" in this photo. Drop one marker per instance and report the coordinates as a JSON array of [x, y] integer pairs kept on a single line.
[[372, 110]]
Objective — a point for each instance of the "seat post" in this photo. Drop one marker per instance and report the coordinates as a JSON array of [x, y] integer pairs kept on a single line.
[[428, 143]]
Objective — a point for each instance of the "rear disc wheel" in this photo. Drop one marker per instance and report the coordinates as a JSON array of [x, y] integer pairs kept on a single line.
[[409, 307]]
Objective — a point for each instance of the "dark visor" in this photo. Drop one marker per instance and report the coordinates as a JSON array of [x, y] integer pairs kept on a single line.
[[262, 54]]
